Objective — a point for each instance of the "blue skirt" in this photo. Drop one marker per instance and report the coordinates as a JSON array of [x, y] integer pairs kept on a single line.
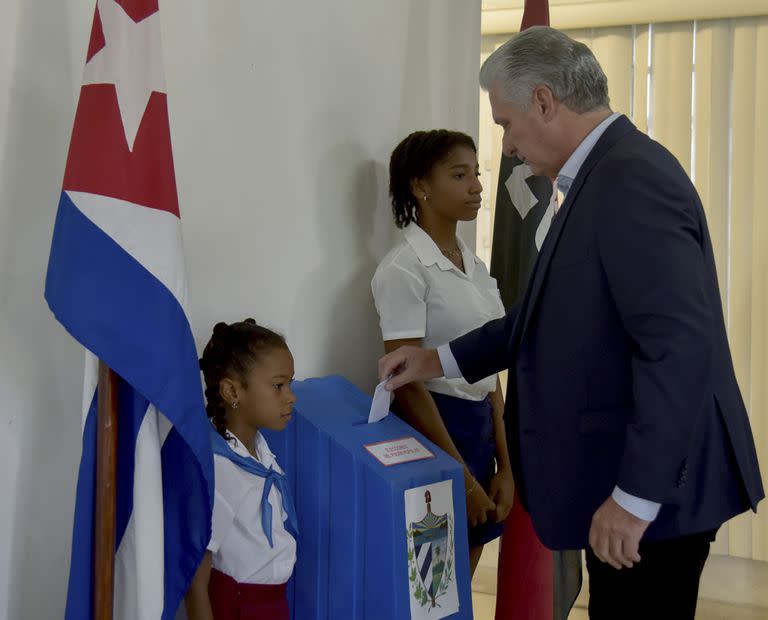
[[470, 425]]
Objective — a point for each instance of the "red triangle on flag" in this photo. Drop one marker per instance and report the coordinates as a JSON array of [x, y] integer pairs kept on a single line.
[[139, 9], [97, 41]]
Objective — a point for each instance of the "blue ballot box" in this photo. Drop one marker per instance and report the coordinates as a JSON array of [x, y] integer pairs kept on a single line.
[[381, 513]]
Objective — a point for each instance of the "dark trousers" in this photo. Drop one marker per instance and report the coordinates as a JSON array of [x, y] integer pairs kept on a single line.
[[665, 584]]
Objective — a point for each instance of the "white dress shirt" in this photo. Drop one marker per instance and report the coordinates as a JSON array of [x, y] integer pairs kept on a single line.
[[238, 544], [419, 293], [641, 508]]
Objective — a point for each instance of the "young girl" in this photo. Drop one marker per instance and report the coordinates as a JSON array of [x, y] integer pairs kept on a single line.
[[248, 372], [431, 289]]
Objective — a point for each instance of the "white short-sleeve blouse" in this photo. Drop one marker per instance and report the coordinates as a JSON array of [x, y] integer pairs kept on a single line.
[[238, 544], [419, 293]]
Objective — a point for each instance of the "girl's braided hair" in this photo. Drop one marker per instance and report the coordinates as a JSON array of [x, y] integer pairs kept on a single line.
[[230, 353], [414, 158]]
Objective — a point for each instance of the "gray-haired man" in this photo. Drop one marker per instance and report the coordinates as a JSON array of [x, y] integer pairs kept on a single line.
[[627, 431]]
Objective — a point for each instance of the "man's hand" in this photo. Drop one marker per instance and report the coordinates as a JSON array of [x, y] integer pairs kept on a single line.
[[409, 364], [502, 493], [615, 535]]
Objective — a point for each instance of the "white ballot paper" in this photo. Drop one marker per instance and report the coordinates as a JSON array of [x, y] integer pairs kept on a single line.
[[380, 403]]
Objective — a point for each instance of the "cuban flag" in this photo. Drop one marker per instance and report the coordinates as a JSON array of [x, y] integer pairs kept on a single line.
[[116, 282]]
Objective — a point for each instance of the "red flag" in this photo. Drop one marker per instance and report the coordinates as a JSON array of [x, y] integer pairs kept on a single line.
[[525, 576], [525, 584], [536, 13]]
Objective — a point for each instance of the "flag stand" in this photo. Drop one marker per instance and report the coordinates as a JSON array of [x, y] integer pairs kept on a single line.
[[105, 509]]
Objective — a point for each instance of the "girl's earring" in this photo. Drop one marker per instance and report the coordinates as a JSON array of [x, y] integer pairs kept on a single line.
[[426, 197], [234, 404]]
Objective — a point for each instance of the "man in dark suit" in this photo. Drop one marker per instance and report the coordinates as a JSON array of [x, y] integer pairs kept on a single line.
[[628, 434]]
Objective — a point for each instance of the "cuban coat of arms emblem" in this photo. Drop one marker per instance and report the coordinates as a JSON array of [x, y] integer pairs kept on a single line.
[[431, 559]]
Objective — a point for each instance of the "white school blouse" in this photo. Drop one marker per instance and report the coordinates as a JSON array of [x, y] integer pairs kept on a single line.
[[419, 293], [238, 544]]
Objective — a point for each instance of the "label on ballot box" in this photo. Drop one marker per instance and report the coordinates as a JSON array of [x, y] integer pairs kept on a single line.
[[380, 508], [396, 451]]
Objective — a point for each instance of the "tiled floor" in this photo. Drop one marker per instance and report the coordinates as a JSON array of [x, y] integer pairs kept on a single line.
[[731, 589], [484, 606]]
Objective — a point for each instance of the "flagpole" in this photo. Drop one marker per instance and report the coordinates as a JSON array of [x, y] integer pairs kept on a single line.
[[105, 509]]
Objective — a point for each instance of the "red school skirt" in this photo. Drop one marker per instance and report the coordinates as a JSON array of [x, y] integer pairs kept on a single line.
[[246, 601]]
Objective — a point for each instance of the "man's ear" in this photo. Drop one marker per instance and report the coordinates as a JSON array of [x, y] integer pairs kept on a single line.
[[544, 102]]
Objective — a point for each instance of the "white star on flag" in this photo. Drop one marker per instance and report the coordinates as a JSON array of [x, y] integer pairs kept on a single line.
[[546, 221], [519, 192], [130, 60]]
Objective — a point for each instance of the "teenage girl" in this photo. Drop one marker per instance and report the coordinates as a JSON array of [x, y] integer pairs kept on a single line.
[[432, 288]]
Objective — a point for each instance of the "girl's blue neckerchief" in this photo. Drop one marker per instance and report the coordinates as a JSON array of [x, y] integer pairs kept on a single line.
[[271, 477]]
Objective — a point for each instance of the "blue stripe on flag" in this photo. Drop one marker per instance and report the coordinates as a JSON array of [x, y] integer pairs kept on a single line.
[[132, 408], [118, 310], [80, 589], [183, 515], [187, 521]]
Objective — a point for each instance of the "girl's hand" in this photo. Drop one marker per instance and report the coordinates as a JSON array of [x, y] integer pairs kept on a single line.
[[502, 492], [478, 504]]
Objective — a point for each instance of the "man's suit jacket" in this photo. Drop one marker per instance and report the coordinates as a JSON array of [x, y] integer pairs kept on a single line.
[[620, 370]]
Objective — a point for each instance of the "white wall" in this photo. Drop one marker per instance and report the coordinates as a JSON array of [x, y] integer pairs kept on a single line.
[[283, 115]]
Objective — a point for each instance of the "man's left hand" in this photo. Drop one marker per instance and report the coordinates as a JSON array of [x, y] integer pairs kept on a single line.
[[615, 535]]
